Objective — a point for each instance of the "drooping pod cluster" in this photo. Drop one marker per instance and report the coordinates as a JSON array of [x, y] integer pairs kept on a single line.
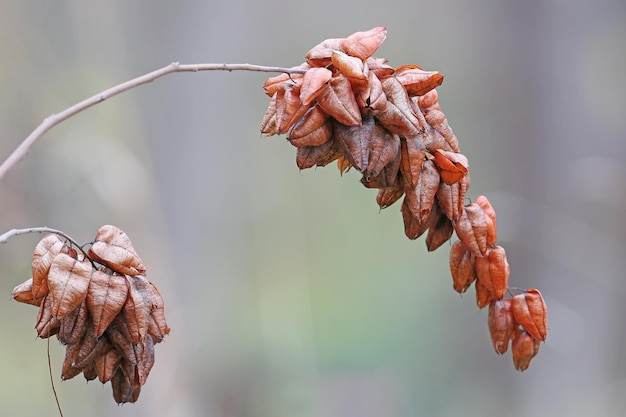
[[100, 305], [387, 124]]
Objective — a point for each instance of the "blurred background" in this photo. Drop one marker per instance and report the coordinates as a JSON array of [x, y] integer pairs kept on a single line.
[[289, 293]]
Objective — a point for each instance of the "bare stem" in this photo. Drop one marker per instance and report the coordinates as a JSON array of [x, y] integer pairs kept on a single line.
[[16, 232], [51, 121]]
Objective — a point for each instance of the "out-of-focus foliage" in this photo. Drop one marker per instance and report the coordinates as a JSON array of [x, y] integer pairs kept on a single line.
[[287, 295]]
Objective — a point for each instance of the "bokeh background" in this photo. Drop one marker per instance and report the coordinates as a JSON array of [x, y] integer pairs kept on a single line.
[[289, 293]]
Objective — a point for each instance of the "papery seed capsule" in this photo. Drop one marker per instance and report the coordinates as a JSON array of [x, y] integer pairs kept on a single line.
[[493, 271], [530, 311], [483, 295], [501, 324], [524, 348], [462, 267]]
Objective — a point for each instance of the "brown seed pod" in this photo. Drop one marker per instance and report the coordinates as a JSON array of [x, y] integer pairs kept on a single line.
[[107, 364], [492, 231], [372, 97], [363, 44], [68, 281], [288, 107], [531, 312], [315, 80], [440, 135], [268, 124], [428, 100], [524, 347], [462, 267], [440, 232], [113, 248], [471, 228], [383, 148], [412, 158], [89, 372], [451, 197], [422, 198], [353, 68], [106, 296], [47, 325], [137, 307], [333, 154], [338, 101], [483, 295], [272, 84], [125, 388], [389, 195], [493, 271], [355, 141], [453, 166], [157, 326], [308, 156], [379, 67], [398, 115], [319, 55], [23, 293], [501, 324], [45, 252], [74, 325], [416, 81], [312, 120]]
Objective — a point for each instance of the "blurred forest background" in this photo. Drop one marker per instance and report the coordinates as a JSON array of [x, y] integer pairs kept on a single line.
[[287, 292]]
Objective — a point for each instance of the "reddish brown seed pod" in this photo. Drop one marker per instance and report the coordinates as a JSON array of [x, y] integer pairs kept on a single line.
[[23, 293], [428, 100], [320, 54], [524, 347], [363, 44], [383, 148], [45, 252], [372, 97], [355, 141], [439, 232], [416, 81], [315, 80], [309, 156], [501, 324], [353, 68], [339, 102], [493, 271], [453, 166], [462, 267], [531, 312], [398, 115], [483, 295], [272, 84], [68, 281], [112, 247], [389, 195], [471, 228], [492, 230]]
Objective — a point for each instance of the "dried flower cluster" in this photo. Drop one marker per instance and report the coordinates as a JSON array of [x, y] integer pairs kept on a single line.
[[100, 305], [353, 108]]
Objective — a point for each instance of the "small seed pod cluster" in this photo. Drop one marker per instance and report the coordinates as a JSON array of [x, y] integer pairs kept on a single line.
[[345, 105], [99, 305], [476, 259]]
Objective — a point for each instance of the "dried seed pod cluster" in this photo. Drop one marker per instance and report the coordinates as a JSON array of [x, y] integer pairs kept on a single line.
[[347, 106], [100, 305]]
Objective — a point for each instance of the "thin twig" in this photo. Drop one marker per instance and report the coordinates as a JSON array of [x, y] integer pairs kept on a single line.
[[51, 121], [54, 391], [16, 232]]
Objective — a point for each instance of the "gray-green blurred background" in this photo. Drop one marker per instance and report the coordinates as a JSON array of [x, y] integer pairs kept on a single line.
[[287, 292]]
